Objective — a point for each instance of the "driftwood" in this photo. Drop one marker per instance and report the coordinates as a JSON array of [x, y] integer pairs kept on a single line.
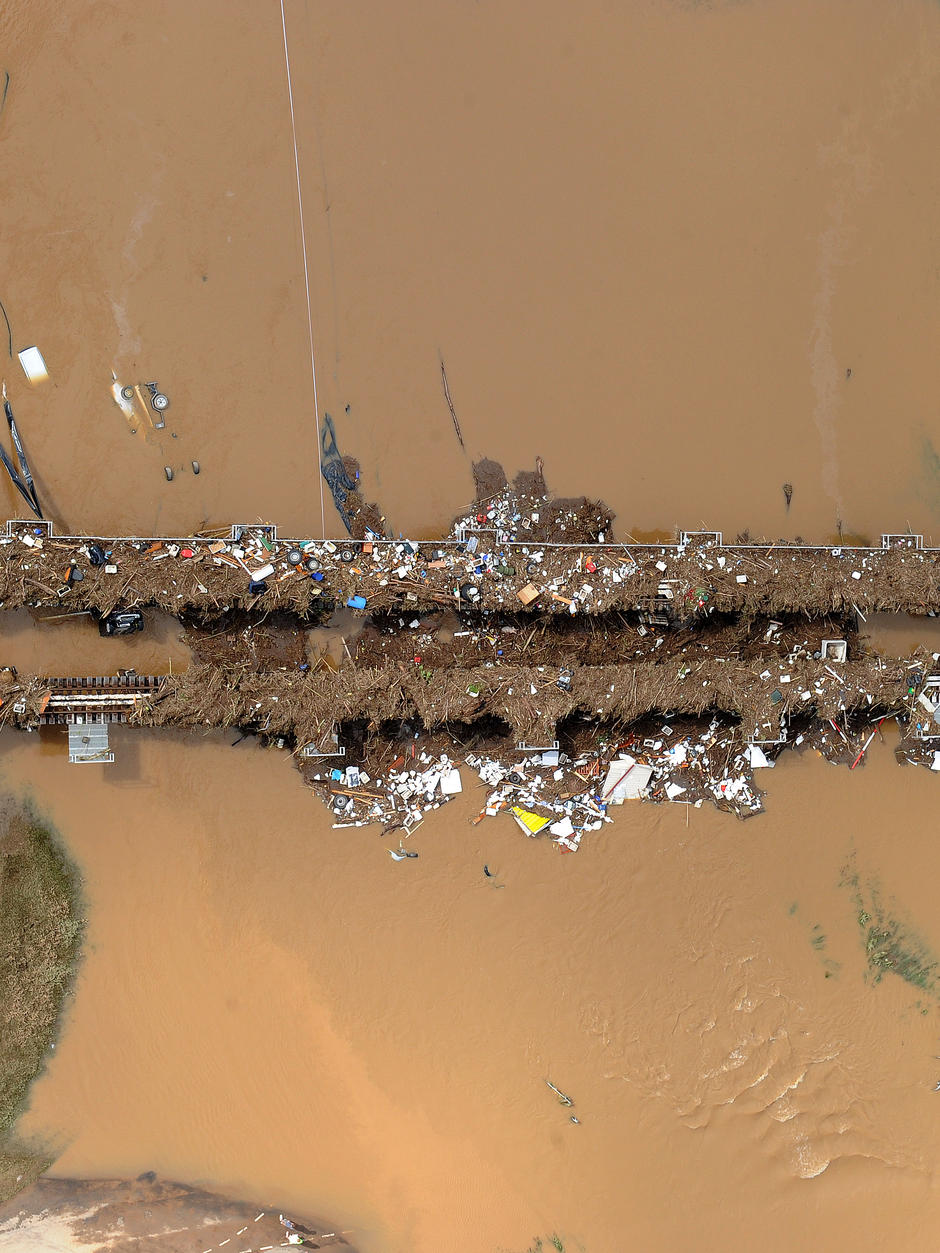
[[450, 404]]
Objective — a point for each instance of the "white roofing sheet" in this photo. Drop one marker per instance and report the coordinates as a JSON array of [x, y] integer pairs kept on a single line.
[[626, 780]]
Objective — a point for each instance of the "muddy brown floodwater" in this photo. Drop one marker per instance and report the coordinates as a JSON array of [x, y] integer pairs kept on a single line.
[[278, 1007], [70, 644], [685, 253], [650, 246]]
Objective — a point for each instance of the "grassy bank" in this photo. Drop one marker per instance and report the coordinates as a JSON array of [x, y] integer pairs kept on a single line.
[[40, 935]]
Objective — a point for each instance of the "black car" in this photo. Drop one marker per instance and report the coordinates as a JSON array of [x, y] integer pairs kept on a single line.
[[121, 622]]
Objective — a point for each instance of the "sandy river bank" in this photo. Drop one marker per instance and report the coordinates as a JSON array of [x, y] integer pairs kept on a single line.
[[125, 1216]]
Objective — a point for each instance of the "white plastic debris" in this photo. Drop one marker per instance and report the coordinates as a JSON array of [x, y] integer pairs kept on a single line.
[[758, 758], [450, 783]]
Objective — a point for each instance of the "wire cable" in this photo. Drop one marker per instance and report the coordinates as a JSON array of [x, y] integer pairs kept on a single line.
[[303, 244]]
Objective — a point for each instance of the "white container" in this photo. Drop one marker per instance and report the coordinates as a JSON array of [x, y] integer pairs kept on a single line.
[[34, 367], [265, 572]]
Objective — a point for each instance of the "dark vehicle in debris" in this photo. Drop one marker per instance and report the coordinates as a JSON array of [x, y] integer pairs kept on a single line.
[[121, 622]]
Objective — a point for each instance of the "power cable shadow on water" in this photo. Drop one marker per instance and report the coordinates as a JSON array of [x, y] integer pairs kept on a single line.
[[22, 481], [9, 330]]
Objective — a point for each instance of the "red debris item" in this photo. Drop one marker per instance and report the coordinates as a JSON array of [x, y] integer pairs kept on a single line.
[[187, 552], [417, 661], [590, 566], [865, 745], [481, 517]]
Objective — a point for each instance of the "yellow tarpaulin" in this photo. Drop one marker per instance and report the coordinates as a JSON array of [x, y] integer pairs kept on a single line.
[[531, 823]]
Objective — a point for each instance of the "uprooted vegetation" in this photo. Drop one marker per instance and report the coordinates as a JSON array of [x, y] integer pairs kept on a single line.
[[253, 641], [892, 945]]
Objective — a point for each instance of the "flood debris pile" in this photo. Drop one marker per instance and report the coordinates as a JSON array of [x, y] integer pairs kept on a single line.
[[251, 641], [397, 798], [206, 573], [563, 795], [342, 476], [920, 745], [527, 512], [667, 672], [535, 788], [464, 638], [516, 552], [547, 791], [726, 719]]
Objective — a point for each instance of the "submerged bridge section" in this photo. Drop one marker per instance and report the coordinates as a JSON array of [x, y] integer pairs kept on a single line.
[[96, 698], [87, 706]]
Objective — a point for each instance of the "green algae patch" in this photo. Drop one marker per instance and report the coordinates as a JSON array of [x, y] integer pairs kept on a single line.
[[40, 939], [892, 945]]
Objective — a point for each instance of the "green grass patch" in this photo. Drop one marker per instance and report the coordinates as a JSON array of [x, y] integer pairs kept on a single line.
[[40, 937]]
